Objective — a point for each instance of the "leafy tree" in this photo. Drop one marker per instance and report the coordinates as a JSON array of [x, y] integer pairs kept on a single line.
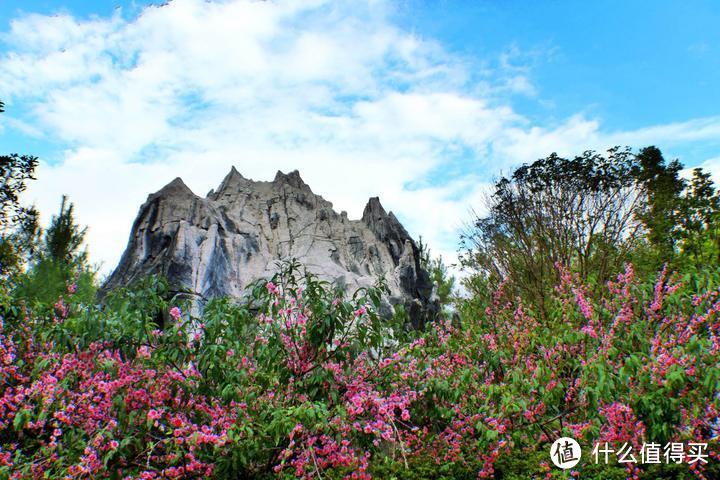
[[18, 224], [591, 213], [15, 171], [19, 244], [698, 231], [660, 211], [577, 212], [439, 274], [681, 217]]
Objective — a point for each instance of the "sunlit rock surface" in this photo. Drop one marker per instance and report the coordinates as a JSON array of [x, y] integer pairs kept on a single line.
[[217, 245]]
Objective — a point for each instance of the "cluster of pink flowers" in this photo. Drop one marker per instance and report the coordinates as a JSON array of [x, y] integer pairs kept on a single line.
[[507, 381], [96, 398], [175, 313], [620, 425]]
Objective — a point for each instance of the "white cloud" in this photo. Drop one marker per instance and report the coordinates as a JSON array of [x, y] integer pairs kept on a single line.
[[334, 89], [672, 134]]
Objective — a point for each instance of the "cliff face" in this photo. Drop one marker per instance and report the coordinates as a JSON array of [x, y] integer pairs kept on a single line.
[[217, 245]]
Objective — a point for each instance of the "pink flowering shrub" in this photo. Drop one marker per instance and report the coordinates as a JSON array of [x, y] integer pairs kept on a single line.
[[300, 382]]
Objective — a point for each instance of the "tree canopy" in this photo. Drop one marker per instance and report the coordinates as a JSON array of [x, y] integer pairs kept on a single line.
[[591, 213]]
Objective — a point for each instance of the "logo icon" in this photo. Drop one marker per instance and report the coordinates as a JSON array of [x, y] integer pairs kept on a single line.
[[565, 453]]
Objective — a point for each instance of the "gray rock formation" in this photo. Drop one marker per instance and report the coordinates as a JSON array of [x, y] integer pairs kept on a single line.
[[217, 245]]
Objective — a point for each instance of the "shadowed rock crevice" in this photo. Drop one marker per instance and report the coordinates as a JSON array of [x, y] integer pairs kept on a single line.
[[217, 245]]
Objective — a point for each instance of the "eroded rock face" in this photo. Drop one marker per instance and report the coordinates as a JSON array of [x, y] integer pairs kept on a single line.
[[217, 245]]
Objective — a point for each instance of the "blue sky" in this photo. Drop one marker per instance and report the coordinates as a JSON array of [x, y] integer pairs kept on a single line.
[[631, 63], [421, 103]]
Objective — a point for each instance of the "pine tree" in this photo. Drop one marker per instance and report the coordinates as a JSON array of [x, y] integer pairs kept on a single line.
[[64, 237], [661, 211], [60, 262]]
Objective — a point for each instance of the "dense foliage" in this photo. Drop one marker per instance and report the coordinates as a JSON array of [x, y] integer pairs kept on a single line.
[[18, 224], [592, 213], [298, 382], [55, 259], [443, 281]]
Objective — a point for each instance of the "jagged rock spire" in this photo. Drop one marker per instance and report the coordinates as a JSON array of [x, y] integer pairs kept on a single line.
[[177, 186], [231, 185]]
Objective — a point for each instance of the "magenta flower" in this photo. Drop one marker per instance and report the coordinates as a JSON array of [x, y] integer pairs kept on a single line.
[[272, 288]]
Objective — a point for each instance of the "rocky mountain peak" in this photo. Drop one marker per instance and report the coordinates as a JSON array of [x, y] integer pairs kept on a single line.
[[373, 210], [232, 185], [216, 246], [293, 179], [175, 188], [387, 228]]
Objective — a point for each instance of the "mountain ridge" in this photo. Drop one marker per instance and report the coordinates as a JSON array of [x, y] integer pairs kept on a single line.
[[216, 245]]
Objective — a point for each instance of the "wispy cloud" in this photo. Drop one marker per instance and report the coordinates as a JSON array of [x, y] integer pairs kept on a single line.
[[335, 89]]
